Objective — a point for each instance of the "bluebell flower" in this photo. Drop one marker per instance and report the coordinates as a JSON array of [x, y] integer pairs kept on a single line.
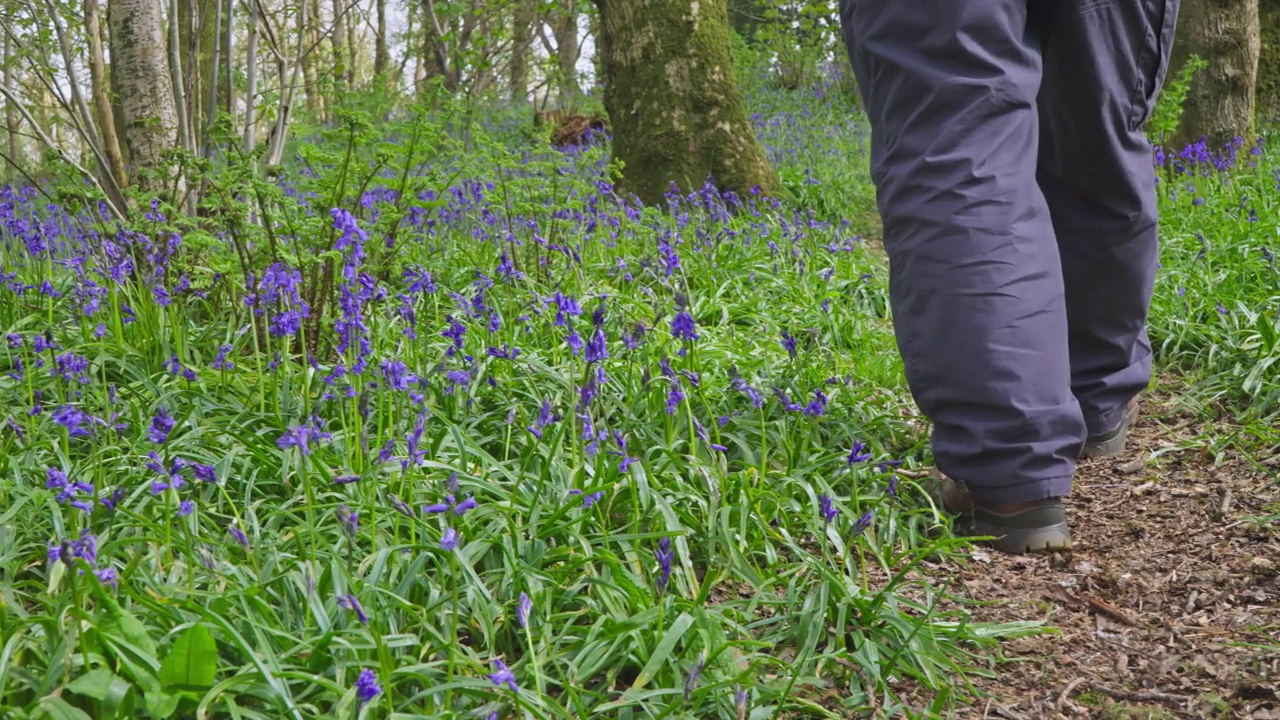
[[828, 508], [664, 554], [349, 518], [72, 493], [73, 419], [506, 352], [863, 523], [205, 473], [597, 349], [693, 676], [523, 609], [161, 425], [367, 687], [818, 406], [352, 603], [683, 327], [503, 676], [789, 343], [239, 535], [858, 453], [786, 401], [450, 539], [221, 362], [186, 507]]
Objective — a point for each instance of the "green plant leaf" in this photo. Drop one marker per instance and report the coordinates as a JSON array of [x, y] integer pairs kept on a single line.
[[663, 651], [192, 663], [102, 685], [59, 709]]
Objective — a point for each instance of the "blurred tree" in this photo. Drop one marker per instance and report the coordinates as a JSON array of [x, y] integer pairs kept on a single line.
[[1220, 103], [1267, 101], [672, 97]]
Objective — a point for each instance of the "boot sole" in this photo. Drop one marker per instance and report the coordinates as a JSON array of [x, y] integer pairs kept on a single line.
[[1113, 443]]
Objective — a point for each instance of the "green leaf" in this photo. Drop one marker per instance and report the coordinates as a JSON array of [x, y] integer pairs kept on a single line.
[[663, 651], [102, 685], [192, 664], [59, 709], [119, 624]]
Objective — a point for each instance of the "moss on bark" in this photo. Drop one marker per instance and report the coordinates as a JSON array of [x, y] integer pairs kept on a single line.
[[673, 101]]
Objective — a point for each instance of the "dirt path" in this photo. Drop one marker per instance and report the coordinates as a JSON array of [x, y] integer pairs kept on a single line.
[[1167, 587]]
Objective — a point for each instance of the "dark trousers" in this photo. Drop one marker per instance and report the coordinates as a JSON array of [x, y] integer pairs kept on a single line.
[[1017, 192]]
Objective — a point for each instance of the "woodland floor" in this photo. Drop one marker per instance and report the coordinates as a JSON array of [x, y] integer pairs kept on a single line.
[[1169, 604]]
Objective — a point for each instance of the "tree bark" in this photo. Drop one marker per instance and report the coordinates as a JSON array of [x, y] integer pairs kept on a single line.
[[311, 62], [251, 80], [522, 23], [11, 117], [1267, 94], [568, 50], [102, 94], [1220, 102], [339, 40], [676, 111], [137, 52], [381, 58]]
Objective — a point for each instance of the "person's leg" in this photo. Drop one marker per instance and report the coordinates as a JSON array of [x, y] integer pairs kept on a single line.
[[1104, 63], [950, 88]]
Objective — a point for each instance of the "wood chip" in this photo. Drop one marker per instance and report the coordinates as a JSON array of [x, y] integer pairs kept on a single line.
[[1131, 467]]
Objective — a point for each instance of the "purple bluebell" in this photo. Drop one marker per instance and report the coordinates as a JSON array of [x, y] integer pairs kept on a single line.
[[858, 453], [345, 479], [352, 603], [506, 352], [789, 343], [161, 425], [450, 539], [597, 349], [74, 493], [502, 675], [205, 473], [73, 419], [350, 520], [186, 507], [664, 555], [694, 675], [863, 523], [367, 687], [523, 609], [683, 327], [828, 508], [818, 406], [239, 535]]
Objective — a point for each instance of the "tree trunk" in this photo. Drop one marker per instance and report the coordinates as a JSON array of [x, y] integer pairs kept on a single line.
[[673, 101], [522, 23], [251, 80], [310, 63], [1267, 101], [102, 94], [381, 58], [339, 40], [11, 121], [137, 53], [568, 49], [1219, 105]]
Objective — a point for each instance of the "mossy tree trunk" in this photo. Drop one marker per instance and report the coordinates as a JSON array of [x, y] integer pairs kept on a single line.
[[1220, 103], [676, 111], [1267, 100]]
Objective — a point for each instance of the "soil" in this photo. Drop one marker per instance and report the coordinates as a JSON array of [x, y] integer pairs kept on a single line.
[[1168, 605]]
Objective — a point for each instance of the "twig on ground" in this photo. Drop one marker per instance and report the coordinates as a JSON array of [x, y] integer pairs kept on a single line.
[[1066, 692]]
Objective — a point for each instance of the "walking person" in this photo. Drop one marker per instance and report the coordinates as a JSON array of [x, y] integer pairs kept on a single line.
[[1017, 190]]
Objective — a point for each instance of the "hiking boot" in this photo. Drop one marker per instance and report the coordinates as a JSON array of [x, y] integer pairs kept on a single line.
[[1112, 443], [1039, 526]]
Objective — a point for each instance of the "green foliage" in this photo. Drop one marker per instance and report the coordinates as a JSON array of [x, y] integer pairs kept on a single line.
[[1169, 105]]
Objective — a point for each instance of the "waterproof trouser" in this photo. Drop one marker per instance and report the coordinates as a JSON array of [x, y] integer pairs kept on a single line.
[[1017, 191]]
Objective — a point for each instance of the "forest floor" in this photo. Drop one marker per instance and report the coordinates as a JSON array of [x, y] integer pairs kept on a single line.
[[1169, 604]]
